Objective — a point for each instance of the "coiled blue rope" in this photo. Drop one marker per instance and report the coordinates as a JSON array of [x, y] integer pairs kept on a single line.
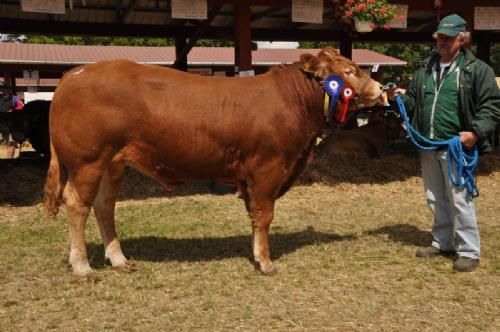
[[463, 162]]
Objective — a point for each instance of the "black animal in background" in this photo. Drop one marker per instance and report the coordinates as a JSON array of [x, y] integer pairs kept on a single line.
[[35, 125]]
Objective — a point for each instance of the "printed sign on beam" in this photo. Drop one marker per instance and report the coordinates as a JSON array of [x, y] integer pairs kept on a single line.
[[190, 9], [43, 6], [486, 18], [307, 11]]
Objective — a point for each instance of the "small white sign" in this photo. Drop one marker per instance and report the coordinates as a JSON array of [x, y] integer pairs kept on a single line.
[[247, 73], [219, 73], [400, 20], [31, 75], [44, 6], [486, 18], [307, 11], [375, 68], [190, 9]]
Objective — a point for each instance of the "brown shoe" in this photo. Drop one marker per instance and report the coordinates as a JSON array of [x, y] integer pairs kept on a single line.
[[465, 264], [430, 251]]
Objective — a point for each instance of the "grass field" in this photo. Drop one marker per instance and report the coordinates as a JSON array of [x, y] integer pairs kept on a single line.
[[343, 241]]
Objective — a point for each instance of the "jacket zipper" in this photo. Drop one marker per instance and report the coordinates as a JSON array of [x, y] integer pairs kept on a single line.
[[436, 93]]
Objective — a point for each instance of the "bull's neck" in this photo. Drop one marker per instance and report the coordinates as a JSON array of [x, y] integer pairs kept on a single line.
[[299, 90]]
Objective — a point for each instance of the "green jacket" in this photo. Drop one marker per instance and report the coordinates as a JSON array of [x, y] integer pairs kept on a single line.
[[479, 97], [6, 104]]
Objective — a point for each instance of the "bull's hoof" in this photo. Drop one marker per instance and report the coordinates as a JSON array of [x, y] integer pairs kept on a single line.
[[82, 270], [128, 267], [266, 269]]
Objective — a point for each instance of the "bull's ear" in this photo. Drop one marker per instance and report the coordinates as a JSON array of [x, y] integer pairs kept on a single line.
[[309, 63], [330, 52]]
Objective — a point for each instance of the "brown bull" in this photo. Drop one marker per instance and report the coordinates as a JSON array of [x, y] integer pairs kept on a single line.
[[256, 132]]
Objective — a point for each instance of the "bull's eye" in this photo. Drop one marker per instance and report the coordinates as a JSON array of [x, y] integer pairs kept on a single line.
[[349, 73], [334, 85]]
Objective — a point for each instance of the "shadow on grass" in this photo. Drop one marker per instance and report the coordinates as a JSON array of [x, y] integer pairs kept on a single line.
[[159, 249], [405, 234], [22, 180]]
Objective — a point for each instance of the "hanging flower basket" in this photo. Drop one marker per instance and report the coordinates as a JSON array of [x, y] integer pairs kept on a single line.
[[375, 13], [363, 25]]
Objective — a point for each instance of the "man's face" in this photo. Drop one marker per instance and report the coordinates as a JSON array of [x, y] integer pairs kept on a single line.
[[448, 46]]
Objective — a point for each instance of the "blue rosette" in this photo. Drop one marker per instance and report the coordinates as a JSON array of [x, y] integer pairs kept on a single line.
[[333, 85]]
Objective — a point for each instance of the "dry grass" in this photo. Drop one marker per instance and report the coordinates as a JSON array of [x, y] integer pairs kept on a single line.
[[343, 241]]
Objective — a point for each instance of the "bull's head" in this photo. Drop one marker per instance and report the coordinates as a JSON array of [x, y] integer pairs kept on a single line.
[[330, 62]]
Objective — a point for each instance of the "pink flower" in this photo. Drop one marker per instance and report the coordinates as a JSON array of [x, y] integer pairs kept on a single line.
[[373, 12], [383, 10], [371, 1], [350, 2], [360, 8], [348, 13]]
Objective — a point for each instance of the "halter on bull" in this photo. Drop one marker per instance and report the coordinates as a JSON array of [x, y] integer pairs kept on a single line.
[[256, 132]]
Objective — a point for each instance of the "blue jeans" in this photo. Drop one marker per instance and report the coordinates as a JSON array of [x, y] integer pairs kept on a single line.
[[455, 225]]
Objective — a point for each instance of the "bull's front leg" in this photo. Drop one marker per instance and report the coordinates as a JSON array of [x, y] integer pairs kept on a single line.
[[261, 213]]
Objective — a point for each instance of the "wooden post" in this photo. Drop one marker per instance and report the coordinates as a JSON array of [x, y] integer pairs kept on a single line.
[[180, 43], [242, 34], [483, 47], [346, 43]]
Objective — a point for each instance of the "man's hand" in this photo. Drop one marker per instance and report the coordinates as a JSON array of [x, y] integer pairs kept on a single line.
[[468, 139], [393, 92]]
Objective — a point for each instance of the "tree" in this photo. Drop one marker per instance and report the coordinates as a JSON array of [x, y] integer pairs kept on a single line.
[[413, 54], [495, 58]]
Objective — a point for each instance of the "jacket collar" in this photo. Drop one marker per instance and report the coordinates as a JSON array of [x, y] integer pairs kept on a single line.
[[434, 58]]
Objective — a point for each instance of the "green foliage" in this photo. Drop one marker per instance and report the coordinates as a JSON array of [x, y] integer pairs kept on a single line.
[[413, 54], [495, 58], [114, 41], [307, 44]]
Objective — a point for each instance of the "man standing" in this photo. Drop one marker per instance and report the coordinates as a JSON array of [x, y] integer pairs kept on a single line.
[[454, 94], [7, 105]]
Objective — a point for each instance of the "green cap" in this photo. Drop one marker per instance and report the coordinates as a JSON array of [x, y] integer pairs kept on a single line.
[[451, 26]]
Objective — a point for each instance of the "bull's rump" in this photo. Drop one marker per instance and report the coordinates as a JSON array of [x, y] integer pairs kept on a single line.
[[170, 124]]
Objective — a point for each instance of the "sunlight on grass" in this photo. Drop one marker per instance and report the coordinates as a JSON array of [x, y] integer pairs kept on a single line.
[[343, 246]]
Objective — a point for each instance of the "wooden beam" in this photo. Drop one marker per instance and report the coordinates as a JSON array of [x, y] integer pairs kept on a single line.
[[483, 46], [124, 11], [243, 38], [163, 31], [181, 61], [196, 35], [264, 13], [346, 44]]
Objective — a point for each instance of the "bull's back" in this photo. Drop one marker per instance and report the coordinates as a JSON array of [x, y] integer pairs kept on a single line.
[[157, 116]]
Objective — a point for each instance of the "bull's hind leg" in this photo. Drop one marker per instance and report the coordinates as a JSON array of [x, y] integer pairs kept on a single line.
[[78, 194], [104, 209]]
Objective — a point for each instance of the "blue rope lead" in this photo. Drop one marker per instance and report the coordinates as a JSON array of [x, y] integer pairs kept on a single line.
[[464, 162]]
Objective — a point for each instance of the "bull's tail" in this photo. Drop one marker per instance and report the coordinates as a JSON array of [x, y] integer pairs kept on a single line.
[[53, 185]]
